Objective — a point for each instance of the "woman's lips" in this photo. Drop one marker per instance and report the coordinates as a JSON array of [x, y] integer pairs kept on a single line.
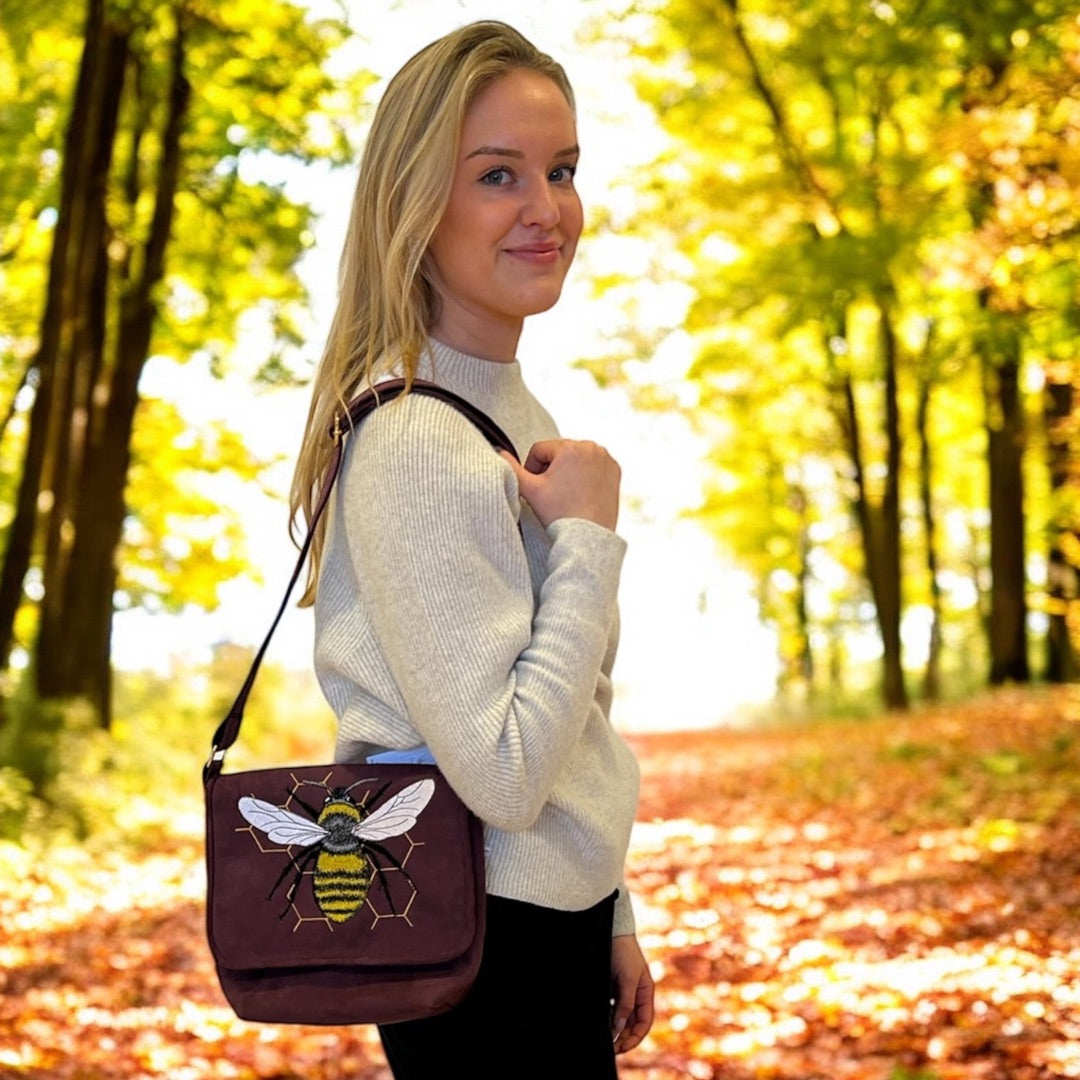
[[542, 254]]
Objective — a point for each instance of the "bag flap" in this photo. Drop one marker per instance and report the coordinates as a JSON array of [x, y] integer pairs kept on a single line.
[[344, 865]]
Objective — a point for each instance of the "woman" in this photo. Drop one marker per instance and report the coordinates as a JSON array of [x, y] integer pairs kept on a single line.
[[466, 603]]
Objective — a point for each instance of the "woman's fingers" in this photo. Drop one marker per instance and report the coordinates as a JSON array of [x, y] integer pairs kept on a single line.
[[563, 478]]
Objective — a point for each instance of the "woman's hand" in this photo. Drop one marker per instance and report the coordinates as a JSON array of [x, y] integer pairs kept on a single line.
[[632, 986], [567, 478]]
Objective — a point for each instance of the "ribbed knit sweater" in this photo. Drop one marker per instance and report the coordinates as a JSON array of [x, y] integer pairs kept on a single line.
[[438, 622]]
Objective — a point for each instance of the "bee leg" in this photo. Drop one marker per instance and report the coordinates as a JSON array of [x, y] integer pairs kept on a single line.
[[390, 858], [298, 866], [370, 850], [382, 880], [310, 810], [290, 865], [375, 798]]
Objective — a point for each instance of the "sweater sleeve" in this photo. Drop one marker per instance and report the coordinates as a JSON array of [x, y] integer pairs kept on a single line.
[[623, 921], [497, 680]]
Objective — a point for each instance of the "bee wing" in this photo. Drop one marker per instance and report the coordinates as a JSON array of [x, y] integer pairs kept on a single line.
[[280, 825], [396, 815]]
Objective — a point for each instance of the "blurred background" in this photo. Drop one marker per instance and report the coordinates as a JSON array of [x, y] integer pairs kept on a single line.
[[824, 314]]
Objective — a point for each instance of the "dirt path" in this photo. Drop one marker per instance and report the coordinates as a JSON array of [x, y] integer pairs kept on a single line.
[[887, 899]]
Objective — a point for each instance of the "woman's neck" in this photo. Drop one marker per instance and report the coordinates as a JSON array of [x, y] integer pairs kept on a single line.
[[495, 343]]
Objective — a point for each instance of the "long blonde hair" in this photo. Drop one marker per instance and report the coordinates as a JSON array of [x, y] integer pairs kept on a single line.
[[386, 298]]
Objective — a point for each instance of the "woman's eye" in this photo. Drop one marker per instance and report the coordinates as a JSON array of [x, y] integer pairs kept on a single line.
[[496, 178], [563, 174]]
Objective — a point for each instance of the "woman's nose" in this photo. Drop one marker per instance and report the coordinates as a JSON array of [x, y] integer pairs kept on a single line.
[[542, 206]]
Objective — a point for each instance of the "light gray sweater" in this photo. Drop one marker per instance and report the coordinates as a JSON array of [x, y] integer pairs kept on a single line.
[[438, 622]]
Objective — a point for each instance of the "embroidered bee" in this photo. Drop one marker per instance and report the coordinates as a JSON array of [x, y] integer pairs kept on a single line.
[[344, 840]]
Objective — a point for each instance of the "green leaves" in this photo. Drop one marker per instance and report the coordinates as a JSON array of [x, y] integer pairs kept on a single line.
[[865, 198], [185, 538], [181, 142]]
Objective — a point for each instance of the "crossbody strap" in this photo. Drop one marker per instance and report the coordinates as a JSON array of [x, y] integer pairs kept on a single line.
[[358, 409]]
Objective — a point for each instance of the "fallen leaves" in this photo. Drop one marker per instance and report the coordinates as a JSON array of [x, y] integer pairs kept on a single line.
[[887, 899], [894, 899]]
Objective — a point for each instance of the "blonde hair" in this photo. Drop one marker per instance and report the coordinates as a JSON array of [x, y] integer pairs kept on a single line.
[[386, 299]]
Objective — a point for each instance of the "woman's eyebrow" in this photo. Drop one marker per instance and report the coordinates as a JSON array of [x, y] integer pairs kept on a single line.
[[494, 151], [501, 151]]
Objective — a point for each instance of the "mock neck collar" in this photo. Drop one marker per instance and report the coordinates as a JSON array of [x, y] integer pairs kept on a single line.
[[450, 367]]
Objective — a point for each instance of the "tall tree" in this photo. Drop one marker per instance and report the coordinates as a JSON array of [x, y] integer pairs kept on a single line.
[[1063, 562], [1005, 442], [825, 169], [1019, 113], [72, 325], [171, 106], [926, 378]]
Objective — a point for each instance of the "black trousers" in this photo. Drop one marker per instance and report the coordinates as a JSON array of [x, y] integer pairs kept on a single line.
[[540, 1008]]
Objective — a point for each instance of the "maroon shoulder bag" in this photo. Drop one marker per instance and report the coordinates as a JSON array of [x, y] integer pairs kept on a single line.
[[342, 893]]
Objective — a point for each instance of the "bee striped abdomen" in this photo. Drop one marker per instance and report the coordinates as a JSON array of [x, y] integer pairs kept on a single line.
[[341, 884], [342, 873]]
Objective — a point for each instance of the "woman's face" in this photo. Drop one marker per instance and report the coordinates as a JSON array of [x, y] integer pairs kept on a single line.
[[509, 233]]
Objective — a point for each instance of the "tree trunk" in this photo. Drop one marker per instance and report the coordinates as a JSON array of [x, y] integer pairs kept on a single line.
[[888, 594], [804, 658], [879, 520], [89, 578], [1005, 450], [932, 672], [80, 357], [67, 325], [1063, 579]]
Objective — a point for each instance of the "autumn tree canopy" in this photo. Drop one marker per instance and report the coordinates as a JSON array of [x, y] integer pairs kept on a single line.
[[138, 223], [874, 207]]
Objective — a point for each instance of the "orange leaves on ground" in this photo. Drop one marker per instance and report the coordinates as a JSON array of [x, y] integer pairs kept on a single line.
[[107, 974], [886, 899], [894, 899]]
